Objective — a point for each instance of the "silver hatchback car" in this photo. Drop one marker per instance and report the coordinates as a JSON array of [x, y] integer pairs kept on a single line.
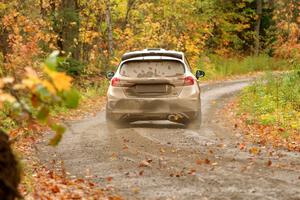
[[154, 84]]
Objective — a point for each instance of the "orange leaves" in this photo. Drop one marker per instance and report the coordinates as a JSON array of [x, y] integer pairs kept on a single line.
[[54, 185], [109, 179], [59, 79], [35, 95], [4, 96], [254, 150], [269, 163], [145, 163], [242, 146], [287, 45], [204, 161]]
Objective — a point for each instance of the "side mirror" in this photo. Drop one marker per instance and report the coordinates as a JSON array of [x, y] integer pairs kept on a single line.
[[200, 74], [109, 75]]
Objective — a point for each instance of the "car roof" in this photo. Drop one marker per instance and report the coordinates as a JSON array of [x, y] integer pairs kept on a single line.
[[153, 52]]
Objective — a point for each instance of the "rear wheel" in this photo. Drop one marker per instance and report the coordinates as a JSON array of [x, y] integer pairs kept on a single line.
[[195, 123]]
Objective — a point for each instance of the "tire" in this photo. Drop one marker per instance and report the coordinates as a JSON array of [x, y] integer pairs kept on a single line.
[[195, 124]]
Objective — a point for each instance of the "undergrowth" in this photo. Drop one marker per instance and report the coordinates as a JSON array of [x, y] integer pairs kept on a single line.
[[274, 100], [219, 67], [88, 91]]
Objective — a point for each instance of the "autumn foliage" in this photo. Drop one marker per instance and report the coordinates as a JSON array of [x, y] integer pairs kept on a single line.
[[46, 46]]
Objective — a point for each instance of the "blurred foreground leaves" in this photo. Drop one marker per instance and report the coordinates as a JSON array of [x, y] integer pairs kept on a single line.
[[30, 99]]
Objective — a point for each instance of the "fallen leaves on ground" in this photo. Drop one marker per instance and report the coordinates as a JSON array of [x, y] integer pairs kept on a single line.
[[145, 163], [53, 185], [260, 134], [40, 182], [254, 150], [204, 161], [269, 163]]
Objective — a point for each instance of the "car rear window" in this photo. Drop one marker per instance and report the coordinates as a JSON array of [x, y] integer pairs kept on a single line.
[[148, 69]]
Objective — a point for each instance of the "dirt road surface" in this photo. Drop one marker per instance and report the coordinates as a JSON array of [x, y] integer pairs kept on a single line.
[[160, 160]]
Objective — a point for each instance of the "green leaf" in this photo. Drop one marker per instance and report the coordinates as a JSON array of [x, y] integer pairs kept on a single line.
[[43, 114], [71, 98], [52, 60], [43, 92], [3, 6], [59, 130]]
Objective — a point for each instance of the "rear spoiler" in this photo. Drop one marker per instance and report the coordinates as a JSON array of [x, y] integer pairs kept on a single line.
[[139, 54]]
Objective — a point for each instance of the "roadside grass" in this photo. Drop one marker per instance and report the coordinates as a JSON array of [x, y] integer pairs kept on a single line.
[[95, 90], [217, 67], [274, 100]]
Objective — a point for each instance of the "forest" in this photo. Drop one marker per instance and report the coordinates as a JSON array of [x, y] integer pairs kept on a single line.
[[92, 35], [55, 54]]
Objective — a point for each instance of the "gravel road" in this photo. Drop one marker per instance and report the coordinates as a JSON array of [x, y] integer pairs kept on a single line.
[[160, 160]]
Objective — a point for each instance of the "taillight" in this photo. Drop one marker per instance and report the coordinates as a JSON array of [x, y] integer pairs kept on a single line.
[[189, 80], [115, 82]]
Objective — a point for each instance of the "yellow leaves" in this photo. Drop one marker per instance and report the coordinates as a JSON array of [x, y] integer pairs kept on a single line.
[[241, 5], [8, 80], [295, 124], [88, 36], [240, 27], [60, 80], [3, 6], [32, 78], [49, 86], [5, 97], [254, 150]]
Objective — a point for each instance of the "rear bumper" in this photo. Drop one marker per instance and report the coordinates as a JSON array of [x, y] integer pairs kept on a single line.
[[153, 108], [119, 106]]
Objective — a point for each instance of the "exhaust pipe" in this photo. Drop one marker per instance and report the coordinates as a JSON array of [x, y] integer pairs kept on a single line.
[[178, 117], [172, 118]]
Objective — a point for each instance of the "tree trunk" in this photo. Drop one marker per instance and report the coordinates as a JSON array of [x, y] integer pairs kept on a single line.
[[130, 5], [257, 26], [70, 28], [4, 45], [296, 12], [109, 29], [9, 171], [55, 24], [42, 9]]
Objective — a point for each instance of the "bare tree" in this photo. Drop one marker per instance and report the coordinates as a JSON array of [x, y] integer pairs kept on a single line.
[[258, 25], [70, 27], [130, 6], [109, 28]]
